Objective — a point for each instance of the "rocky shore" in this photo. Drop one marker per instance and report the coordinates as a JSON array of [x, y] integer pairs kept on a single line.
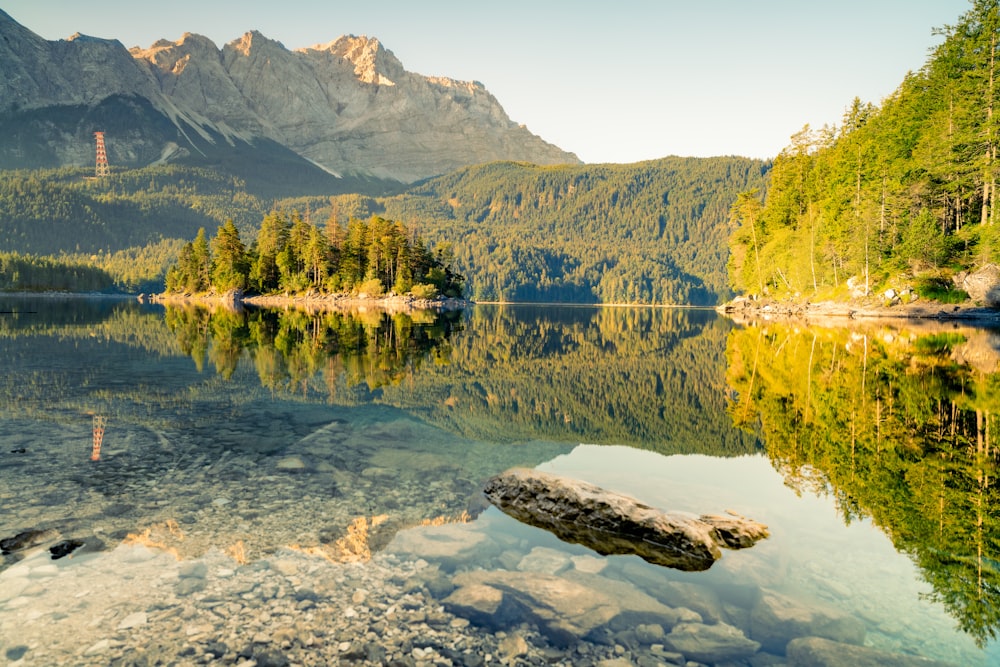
[[744, 309], [314, 301]]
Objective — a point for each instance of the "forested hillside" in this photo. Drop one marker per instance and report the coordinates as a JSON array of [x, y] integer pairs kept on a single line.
[[899, 195], [651, 232]]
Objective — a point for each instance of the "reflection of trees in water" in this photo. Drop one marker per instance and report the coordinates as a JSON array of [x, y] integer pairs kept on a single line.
[[644, 377], [899, 428], [289, 348]]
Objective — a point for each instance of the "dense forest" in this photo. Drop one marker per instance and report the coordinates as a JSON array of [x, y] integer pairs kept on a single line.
[[643, 233], [651, 232], [130, 225], [899, 195], [292, 255], [900, 428]]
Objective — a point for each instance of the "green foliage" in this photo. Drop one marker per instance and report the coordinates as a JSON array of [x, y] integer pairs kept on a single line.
[[896, 190], [652, 232], [35, 274], [939, 289], [424, 291], [643, 233], [291, 255], [64, 210]]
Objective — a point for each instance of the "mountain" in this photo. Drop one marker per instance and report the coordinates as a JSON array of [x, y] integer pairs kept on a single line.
[[323, 116]]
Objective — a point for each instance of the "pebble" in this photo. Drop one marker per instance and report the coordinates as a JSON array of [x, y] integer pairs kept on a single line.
[[133, 620]]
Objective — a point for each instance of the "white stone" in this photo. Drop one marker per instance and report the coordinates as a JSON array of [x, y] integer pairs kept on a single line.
[[133, 620]]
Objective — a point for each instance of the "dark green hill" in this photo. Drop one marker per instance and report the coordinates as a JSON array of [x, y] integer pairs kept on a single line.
[[650, 232]]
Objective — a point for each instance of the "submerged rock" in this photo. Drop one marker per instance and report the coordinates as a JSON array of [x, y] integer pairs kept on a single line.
[[564, 609], [818, 652], [711, 643], [612, 523], [777, 619], [25, 540], [64, 548]]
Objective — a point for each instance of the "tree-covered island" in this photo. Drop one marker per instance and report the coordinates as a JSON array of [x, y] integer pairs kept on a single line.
[[293, 256]]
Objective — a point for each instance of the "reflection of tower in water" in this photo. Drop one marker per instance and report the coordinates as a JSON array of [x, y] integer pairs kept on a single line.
[[100, 421]]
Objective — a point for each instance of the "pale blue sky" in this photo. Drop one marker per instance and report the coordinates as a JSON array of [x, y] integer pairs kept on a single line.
[[618, 81]]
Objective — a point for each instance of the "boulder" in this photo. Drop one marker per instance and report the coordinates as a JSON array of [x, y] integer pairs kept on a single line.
[[710, 643], [819, 652], [481, 604], [565, 610], [612, 523], [450, 545], [777, 619], [982, 285]]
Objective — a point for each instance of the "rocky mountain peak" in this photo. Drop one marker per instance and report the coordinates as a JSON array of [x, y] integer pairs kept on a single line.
[[80, 38], [254, 41], [372, 62], [347, 107]]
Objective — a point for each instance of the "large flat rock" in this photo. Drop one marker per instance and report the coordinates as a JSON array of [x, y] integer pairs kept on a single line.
[[612, 523]]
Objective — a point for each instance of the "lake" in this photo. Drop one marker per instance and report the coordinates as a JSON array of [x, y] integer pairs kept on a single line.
[[184, 485]]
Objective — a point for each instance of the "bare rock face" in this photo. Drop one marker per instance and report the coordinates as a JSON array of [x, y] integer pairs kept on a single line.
[[983, 285], [611, 523], [348, 106]]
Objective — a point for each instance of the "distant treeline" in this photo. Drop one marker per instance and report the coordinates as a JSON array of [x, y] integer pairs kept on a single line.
[[642, 233], [30, 273], [650, 232], [292, 255]]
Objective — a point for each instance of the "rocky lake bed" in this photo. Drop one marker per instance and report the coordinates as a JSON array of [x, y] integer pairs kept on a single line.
[[345, 547]]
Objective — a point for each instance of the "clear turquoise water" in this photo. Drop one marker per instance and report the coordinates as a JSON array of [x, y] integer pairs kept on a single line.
[[245, 433]]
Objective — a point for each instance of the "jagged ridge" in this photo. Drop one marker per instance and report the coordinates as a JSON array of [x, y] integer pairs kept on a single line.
[[346, 107]]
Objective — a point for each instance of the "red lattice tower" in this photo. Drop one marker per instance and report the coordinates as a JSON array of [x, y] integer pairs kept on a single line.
[[100, 422], [102, 157]]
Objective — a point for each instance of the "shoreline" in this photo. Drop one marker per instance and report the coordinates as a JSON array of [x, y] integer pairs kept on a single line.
[[743, 309], [315, 302]]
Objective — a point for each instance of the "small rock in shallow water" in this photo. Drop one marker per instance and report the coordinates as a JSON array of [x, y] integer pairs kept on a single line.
[[15, 653], [189, 586], [270, 657], [133, 621], [193, 570], [291, 464]]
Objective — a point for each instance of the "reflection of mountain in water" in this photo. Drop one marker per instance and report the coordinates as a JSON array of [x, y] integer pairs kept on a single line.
[[899, 427]]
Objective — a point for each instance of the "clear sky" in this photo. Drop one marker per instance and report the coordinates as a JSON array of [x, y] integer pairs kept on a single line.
[[612, 81]]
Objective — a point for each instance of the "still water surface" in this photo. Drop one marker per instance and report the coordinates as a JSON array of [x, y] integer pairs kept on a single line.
[[236, 439]]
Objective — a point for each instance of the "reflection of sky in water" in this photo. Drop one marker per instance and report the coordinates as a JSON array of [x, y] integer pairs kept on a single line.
[[171, 421], [854, 567]]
